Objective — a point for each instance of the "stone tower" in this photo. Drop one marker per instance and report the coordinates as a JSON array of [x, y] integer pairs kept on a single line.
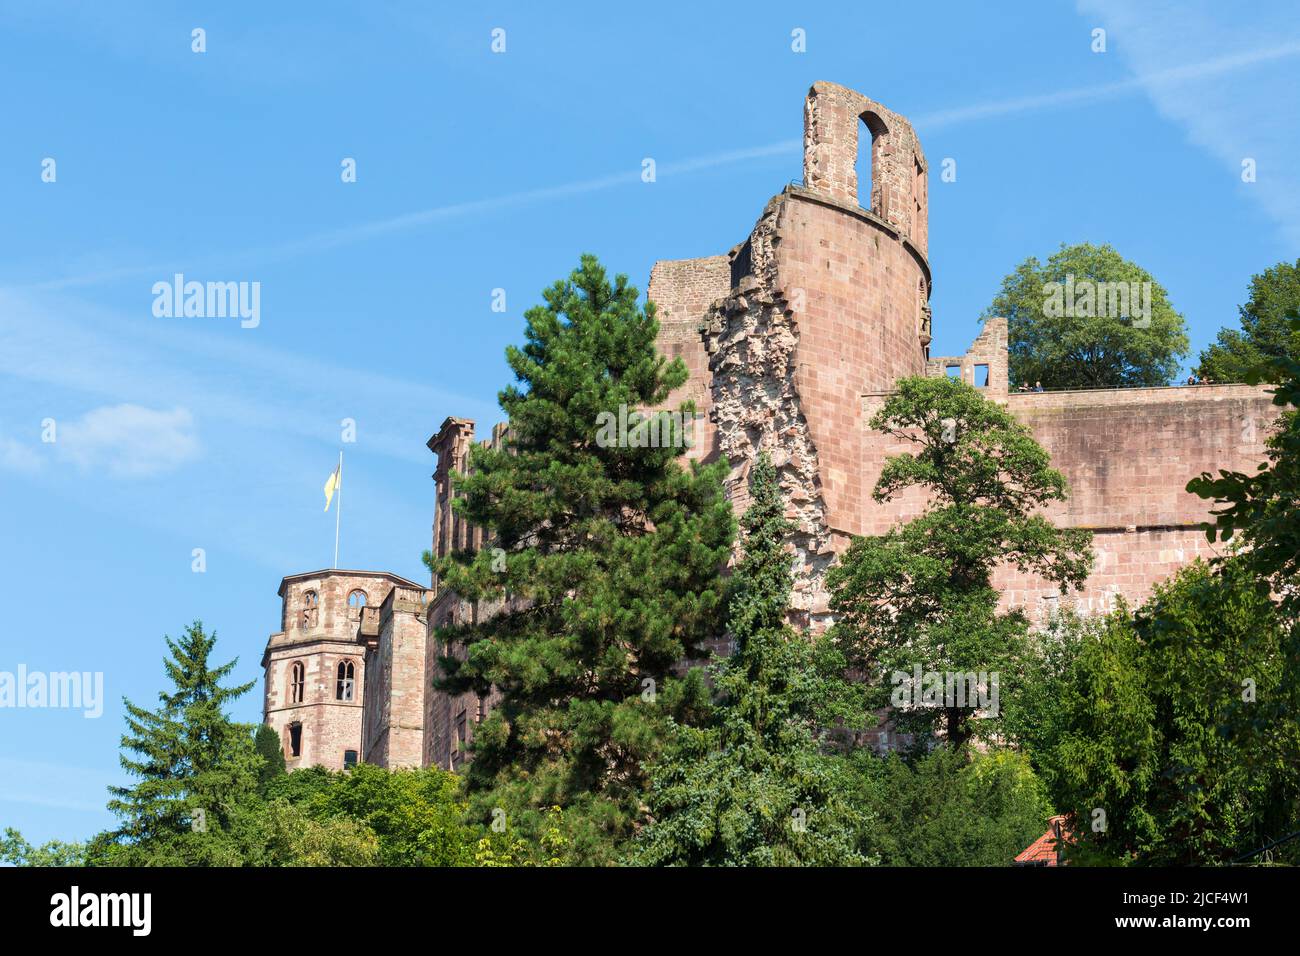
[[315, 667], [793, 340], [825, 302]]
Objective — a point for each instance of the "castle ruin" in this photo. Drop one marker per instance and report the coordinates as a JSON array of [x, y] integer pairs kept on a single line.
[[793, 340]]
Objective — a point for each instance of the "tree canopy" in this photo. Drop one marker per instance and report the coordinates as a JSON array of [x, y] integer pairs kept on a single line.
[[606, 556], [1088, 318]]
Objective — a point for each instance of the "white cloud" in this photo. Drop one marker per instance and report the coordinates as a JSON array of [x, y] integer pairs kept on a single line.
[[129, 441], [16, 456], [1233, 114]]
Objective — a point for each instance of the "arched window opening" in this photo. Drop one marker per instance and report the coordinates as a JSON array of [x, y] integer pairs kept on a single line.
[[344, 686], [357, 598], [310, 606], [870, 130], [297, 682]]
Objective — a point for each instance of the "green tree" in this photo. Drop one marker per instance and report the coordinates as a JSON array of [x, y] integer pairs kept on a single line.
[[287, 835], [757, 785], [506, 848], [1261, 508], [1032, 716], [267, 743], [1265, 331], [923, 592], [605, 555], [1182, 743], [951, 808], [1067, 330], [417, 815], [193, 765], [16, 851]]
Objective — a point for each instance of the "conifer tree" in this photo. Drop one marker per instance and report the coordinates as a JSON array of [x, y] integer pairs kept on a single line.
[[606, 553], [267, 743], [760, 785], [192, 763]]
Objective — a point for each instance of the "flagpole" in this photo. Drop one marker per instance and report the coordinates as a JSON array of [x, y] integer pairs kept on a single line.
[[338, 511]]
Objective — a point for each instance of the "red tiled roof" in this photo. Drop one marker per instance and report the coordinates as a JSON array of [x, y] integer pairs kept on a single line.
[[1044, 851]]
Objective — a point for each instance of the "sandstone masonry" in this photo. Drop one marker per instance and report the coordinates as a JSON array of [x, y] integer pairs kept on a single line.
[[793, 339]]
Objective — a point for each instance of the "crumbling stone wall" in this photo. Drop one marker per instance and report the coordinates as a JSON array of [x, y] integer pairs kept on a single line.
[[797, 336], [752, 338], [988, 350], [834, 117], [828, 301]]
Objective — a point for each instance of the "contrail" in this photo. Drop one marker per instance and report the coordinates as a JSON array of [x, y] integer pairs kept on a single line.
[[347, 235]]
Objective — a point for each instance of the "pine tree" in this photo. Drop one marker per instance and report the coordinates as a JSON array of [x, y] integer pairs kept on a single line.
[[607, 554], [760, 785], [194, 766]]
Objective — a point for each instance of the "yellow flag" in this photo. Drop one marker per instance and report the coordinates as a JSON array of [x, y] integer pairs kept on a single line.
[[331, 486]]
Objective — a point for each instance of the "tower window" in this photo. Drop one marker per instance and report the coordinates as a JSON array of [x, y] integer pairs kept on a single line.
[[310, 605], [295, 740], [297, 681], [345, 684], [349, 759], [462, 737], [871, 129], [357, 598]]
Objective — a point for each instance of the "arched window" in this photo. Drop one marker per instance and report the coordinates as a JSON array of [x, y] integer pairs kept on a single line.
[[357, 598], [310, 604], [872, 136], [343, 687], [297, 682]]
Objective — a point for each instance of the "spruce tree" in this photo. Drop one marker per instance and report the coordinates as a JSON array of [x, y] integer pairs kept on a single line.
[[194, 765], [606, 553], [267, 743], [760, 784]]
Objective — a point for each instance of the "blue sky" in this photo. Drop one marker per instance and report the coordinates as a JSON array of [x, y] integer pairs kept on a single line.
[[478, 171]]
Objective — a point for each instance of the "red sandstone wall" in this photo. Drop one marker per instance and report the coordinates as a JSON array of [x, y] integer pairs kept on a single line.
[[1129, 453], [682, 291], [1127, 456], [857, 311]]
